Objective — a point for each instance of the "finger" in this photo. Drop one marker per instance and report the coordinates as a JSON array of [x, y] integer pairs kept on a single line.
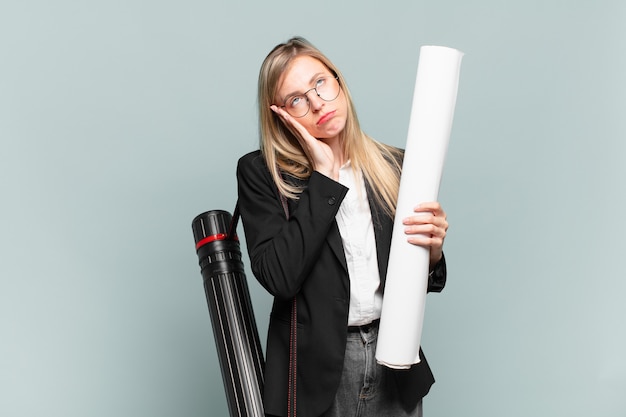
[[430, 206], [435, 243], [307, 141], [426, 218], [426, 230], [420, 218], [286, 117], [280, 112]]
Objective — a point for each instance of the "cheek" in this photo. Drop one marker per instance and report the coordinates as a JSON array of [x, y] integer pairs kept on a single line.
[[309, 125], [342, 105]]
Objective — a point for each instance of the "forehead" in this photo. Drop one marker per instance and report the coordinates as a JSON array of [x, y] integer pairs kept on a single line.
[[299, 75]]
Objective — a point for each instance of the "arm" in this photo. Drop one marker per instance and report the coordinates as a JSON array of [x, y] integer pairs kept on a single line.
[[282, 252]]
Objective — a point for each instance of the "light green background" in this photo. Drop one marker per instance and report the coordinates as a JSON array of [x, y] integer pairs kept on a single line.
[[120, 121]]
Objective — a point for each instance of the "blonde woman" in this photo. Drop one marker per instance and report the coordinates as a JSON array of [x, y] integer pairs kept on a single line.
[[317, 203]]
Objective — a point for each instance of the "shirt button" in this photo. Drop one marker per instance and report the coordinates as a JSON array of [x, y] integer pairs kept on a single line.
[[331, 201]]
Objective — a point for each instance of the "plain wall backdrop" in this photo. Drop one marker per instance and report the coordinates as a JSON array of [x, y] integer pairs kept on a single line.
[[120, 121]]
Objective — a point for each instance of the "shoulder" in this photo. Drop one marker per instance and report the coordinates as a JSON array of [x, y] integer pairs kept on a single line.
[[251, 158], [252, 173], [251, 162]]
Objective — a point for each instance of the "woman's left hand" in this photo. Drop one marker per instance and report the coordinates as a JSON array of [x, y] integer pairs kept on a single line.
[[427, 228]]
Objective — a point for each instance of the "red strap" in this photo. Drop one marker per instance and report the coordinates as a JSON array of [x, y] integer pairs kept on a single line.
[[293, 361], [212, 238], [293, 345]]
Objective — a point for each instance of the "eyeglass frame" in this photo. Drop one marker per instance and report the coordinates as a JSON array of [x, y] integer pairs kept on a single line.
[[305, 95]]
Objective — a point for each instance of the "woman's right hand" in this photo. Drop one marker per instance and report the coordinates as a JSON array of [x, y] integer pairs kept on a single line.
[[318, 152]]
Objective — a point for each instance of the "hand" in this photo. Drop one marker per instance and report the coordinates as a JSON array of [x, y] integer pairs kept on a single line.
[[427, 228], [318, 152]]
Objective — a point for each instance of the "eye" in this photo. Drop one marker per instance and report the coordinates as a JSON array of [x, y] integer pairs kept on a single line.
[[295, 101], [320, 82]]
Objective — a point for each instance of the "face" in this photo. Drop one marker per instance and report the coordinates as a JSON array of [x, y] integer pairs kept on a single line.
[[325, 119]]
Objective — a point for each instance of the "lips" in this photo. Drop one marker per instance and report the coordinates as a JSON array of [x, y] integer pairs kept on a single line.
[[326, 117]]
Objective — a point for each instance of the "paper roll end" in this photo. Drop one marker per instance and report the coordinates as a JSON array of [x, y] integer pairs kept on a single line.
[[396, 366], [442, 49]]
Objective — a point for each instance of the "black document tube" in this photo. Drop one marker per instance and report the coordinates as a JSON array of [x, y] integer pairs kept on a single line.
[[230, 309]]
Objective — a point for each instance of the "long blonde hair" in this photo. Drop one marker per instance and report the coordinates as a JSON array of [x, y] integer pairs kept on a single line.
[[379, 163]]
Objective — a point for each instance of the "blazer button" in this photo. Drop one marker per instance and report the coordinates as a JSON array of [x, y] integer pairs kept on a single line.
[[331, 201]]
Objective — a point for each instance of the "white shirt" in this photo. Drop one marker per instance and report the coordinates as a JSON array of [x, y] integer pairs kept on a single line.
[[359, 243]]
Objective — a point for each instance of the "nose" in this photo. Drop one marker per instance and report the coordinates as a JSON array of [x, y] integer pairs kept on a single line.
[[315, 101]]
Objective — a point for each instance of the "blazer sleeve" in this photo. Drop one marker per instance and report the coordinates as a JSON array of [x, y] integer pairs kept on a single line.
[[282, 252], [437, 279]]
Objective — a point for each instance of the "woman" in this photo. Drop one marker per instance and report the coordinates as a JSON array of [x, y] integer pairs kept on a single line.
[[338, 187]]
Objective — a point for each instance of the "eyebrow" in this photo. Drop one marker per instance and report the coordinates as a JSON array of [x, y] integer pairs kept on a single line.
[[295, 93]]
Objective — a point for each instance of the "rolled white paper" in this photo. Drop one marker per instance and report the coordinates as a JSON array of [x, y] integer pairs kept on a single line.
[[434, 99]]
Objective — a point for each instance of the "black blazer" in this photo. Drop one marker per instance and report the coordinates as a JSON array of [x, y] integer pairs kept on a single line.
[[304, 257]]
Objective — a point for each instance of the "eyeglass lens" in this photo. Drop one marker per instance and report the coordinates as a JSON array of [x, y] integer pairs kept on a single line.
[[326, 88]]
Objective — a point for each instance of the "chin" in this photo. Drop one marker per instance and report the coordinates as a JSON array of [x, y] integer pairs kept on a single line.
[[335, 128]]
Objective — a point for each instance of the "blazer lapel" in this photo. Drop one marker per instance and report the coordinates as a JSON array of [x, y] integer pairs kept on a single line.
[[334, 241], [333, 238], [383, 225]]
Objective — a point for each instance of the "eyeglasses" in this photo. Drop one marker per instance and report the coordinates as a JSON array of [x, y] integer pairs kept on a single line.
[[326, 88]]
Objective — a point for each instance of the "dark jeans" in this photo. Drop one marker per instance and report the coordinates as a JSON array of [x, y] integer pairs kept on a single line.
[[367, 389]]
